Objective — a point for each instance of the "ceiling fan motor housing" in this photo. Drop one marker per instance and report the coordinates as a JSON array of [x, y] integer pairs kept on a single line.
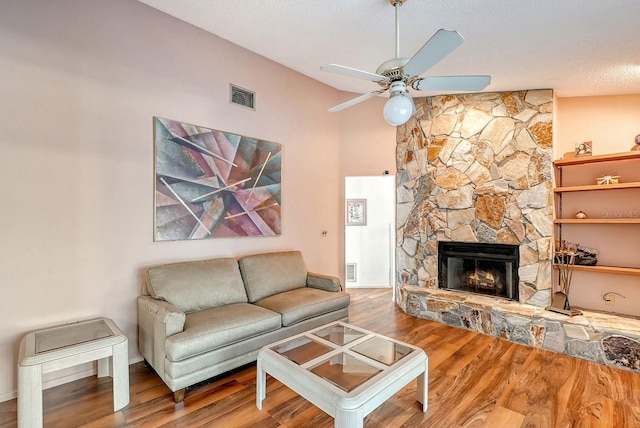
[[393, 68]]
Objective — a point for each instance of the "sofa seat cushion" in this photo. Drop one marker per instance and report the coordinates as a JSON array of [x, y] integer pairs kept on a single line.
[[214, 328], [303, 303]]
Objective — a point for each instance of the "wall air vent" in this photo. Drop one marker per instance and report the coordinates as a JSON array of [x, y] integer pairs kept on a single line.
[[351, 272], [242, 97]]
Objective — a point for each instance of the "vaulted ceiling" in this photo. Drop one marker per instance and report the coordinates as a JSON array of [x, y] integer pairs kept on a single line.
[[577, 47]]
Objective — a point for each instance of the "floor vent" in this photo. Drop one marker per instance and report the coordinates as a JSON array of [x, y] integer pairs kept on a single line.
[[242, 97], [351, 272]]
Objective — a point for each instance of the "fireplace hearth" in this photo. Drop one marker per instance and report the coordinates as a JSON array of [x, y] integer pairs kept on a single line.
[[488, 269]]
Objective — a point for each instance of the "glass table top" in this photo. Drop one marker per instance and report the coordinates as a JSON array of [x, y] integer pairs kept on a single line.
[[382, 350], [339, 334], [345, 371], [72, 334], [301, 350], [345, 357]]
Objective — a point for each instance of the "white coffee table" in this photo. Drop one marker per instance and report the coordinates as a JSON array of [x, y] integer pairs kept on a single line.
[[344, 370], [57, 348]]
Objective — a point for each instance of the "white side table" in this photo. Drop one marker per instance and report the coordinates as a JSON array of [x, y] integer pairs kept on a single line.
[[57, 348]]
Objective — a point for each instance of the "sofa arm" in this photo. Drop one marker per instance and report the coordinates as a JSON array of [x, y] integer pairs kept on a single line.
[[323, 282], [157, 320]]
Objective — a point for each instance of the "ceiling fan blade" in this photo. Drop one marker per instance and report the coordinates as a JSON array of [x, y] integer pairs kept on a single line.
[[452, 83], [352, 72], [356, 100], [436, 48]]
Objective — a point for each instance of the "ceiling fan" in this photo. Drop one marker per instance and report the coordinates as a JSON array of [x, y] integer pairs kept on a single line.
[[399, 74]]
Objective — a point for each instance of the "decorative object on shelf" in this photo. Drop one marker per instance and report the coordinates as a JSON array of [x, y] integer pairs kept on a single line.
[[581, 215], [564, 258], [214, 184], [636, 146], [586, 256], [584, 148], [608, 179], [356, 212]]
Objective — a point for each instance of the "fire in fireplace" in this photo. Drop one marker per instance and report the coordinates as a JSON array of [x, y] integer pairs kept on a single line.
[[490, 269]]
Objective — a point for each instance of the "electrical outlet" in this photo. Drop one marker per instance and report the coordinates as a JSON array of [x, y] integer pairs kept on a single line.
[[611, 300], [324, 233]]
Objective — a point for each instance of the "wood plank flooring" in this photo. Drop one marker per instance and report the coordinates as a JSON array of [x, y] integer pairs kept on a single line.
[[474, 381]]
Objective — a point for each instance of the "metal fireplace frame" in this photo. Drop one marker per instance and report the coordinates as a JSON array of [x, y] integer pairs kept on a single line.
[[482, 251]]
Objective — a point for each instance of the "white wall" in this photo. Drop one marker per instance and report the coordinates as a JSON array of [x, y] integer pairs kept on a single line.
[[371, 246], [80, 83]]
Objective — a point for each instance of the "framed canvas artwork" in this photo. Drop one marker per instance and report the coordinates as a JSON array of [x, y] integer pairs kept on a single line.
[[214, 184]]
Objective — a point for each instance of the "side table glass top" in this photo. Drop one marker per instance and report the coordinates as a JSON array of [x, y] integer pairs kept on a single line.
[[71, 334]]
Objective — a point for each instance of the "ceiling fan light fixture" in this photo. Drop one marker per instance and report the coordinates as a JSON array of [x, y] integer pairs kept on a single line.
[[397, 110], [399, 107]]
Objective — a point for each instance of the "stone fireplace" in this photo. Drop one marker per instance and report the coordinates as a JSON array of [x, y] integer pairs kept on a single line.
[[473, 267], [476, 169]]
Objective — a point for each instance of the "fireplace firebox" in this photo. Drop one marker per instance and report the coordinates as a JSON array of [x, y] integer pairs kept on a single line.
[[490, 269]]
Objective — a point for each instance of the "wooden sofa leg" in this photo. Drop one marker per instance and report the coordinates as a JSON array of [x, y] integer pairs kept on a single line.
[[178, 396]]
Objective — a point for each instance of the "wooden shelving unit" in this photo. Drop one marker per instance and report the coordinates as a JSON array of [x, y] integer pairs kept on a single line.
[[562, 220], [594, 187], [597, 221], [599, 158], [607, 269]]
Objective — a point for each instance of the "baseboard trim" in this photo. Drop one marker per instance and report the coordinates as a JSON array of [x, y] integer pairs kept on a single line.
[[368, 286]]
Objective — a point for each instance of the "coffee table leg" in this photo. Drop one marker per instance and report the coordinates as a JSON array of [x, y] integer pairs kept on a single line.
[[349, 418], [423, 387], [261, 384]]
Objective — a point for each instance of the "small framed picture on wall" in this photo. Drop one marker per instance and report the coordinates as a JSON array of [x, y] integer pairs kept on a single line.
[[356, 212]]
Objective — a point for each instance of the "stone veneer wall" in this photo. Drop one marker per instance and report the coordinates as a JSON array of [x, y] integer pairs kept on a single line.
[[477, 168]]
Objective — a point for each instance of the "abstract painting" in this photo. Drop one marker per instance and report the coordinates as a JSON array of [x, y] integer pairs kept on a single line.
[[214, 184]]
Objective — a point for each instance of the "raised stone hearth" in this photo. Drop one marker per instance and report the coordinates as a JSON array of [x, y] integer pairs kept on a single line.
[[601, 338]]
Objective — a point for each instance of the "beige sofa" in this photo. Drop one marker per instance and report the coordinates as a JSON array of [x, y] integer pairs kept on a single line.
[[199, 319]]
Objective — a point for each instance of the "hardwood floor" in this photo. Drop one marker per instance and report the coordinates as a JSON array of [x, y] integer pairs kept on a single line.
[[474, 381]]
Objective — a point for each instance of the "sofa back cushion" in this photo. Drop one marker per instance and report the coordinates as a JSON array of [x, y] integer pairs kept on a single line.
[[272, 273], [198, 285]]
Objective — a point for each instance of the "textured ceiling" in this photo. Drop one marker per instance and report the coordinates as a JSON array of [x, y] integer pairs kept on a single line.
[[577, 47]]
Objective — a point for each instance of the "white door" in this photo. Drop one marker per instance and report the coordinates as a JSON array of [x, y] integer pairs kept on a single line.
[[369, 237]]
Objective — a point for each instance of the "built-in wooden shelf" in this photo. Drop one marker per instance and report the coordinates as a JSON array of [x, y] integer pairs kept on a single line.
[[634, 185], [615, 158], [607, 269], [597, 158], [597, 221]]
